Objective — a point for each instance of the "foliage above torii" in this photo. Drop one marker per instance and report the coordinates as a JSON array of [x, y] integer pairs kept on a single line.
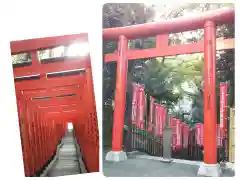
[[163, 77]]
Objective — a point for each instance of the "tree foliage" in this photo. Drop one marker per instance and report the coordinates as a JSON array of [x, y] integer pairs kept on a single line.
[[118, 15], [163, 76]]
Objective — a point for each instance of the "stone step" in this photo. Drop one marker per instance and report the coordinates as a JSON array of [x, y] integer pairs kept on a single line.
[[68, 158], [67, 161], [62, 173]]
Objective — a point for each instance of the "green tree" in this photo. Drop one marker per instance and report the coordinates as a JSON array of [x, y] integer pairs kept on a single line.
[[164, 77], [117, 15]]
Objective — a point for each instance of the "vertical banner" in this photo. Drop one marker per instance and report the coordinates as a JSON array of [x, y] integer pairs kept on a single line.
[[142, 108], [185, 135], [174, 136], [159, 116], [219, 136], [158, 120], [150, 121], [170, 122], [156, 116], [178, 133], [134, 103], [174, 141], [163, 116], [161, 119], [173, 122], [223, 106], [199, 134]]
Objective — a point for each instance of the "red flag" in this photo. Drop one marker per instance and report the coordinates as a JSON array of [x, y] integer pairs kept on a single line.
[[142, 108], [219, 136], [161, 119], [150, 123], [199, 134], [185, 135], [178, 133], [223, 106], [163, 116], [135, 103]]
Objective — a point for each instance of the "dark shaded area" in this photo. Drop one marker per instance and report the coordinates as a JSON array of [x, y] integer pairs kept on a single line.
[[65, 73], [23, 78]]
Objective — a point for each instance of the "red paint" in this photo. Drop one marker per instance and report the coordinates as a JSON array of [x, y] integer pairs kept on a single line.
[[62, 65], [219, 16], [50, 83], [209, 45], [172, 50], [45, 43], [119, 103], [210, 121], [43, 122]]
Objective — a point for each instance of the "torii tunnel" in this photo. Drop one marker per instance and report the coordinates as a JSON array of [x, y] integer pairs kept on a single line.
[[161, 30], [50, 94]]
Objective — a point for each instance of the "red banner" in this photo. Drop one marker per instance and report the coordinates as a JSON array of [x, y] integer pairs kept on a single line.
[[161, 119], [170, 123], [142, 108], [219, 136], [185, 135], [150, 122], [135, 103], [199, 134], [178, 133], [174, 136], [163, 116], [157, 120], [223, 106]]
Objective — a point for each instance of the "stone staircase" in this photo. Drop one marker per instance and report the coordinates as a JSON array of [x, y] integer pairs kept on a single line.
[[67, 161]]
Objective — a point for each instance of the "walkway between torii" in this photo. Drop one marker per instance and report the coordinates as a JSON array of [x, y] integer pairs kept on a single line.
[[51, 93]]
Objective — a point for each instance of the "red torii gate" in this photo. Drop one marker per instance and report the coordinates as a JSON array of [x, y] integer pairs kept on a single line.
[[67, 108], [47, 100], [161, 29]]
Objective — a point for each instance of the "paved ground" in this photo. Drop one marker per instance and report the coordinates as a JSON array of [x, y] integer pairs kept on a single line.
[[67, 162], [136, 167]]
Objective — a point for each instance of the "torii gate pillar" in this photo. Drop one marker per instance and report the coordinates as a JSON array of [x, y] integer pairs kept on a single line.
[[117, 154], [210, 167]]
